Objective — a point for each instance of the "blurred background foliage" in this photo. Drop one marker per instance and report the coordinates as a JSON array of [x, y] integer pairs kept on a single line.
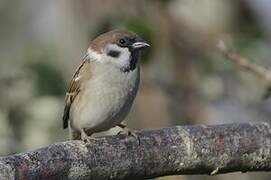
[[184, 79]]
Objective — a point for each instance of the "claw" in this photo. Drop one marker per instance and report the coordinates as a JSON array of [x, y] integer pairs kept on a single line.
[[129, 132], [85, 137], [132, 133]]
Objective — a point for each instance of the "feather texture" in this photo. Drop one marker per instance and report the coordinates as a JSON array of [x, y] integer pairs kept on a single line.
[[74, 89]]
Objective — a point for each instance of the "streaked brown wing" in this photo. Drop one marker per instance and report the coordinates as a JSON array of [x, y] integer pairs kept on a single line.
[[73, 90]]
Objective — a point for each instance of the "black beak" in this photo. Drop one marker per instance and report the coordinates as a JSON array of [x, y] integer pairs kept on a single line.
[[140, 44]]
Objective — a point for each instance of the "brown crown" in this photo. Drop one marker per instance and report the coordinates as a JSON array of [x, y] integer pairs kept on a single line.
[[110, 37]]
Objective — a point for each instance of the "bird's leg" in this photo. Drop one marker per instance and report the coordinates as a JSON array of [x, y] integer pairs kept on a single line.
[[127, 131], [122, 126], [85, 137]]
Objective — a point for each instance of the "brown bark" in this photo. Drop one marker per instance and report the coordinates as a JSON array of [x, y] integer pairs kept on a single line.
[[170, 151]]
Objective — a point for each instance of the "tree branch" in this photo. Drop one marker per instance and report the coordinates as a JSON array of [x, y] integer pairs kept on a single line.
[[244, 63], [178, 150]]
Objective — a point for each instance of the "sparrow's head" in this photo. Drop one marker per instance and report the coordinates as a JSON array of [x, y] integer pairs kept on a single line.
[[119, 48]]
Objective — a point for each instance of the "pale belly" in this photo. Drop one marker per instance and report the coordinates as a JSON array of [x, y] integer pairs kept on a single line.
[[105, 105]]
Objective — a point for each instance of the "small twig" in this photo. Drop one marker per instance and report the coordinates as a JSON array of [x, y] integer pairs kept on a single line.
[[244, 63]]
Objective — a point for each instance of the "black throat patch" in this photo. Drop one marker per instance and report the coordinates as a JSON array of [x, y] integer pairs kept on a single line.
[[133, 62]]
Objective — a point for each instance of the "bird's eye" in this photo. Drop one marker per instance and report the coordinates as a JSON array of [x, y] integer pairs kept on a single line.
[[122, 41]]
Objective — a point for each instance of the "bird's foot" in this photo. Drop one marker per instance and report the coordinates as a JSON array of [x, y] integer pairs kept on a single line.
[[85, 137], [129, 132]]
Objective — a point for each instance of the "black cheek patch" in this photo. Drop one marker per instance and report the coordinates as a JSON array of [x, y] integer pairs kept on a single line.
[[113, 54]]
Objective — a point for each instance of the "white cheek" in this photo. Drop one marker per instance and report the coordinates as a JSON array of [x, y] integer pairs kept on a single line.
[[122, 61], [93, 55], [124, 58]]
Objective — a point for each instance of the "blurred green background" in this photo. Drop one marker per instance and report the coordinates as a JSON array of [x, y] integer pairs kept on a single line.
[[184, 79]]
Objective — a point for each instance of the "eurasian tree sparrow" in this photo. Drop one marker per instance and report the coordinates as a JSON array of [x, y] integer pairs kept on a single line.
[[105, 84]]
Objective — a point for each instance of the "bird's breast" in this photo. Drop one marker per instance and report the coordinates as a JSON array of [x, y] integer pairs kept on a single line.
[[107, 98]]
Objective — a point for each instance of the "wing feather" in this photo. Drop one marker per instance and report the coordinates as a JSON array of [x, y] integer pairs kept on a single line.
[[73, 90]]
